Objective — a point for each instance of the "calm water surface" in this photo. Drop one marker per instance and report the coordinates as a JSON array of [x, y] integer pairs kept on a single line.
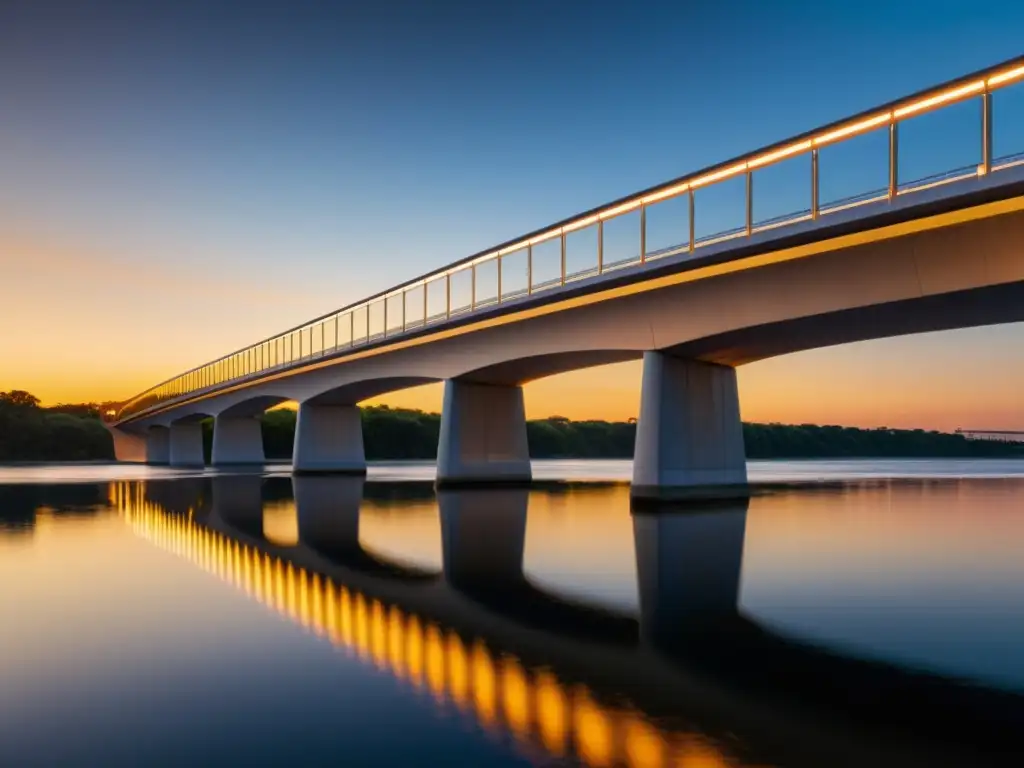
[[851, 613]]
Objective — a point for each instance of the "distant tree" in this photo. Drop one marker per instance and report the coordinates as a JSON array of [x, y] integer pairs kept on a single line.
[[19, 398]]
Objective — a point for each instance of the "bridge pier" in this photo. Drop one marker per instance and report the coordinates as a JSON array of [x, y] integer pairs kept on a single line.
[[688, 567], [483, 435], [689, 438], [483, 536], [186, 444], [328, 513], [329, 438], [158, 445], [237, 440]]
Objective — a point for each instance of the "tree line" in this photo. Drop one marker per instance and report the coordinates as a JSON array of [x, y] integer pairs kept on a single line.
[[29, 432]]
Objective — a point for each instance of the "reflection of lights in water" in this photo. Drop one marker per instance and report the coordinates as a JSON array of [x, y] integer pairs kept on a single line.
[[534, 705], [281, 523]]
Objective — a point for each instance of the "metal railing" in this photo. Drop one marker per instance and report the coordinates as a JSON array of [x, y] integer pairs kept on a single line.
[[517, 270]]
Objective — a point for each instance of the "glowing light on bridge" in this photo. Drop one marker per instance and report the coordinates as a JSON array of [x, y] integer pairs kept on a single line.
[[534, 705]]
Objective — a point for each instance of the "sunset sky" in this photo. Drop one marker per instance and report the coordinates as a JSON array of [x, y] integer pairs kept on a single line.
[[176, 184]]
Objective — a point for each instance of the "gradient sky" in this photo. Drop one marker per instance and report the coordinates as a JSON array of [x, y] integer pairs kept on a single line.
[[177, 183]]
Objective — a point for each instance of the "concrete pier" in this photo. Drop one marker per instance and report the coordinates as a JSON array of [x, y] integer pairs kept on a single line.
[[186, 444], [158, 445], [329, 438], [689, 438], [483, 435], [237, 440]]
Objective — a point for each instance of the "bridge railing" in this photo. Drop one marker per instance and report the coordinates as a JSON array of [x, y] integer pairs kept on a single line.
[[682, 216]]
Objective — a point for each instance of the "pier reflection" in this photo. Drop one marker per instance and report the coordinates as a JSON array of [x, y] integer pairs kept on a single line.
[[692, 683]]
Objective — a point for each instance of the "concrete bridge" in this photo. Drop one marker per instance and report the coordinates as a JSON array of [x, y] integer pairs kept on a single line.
[[692, 680], [691, 300]]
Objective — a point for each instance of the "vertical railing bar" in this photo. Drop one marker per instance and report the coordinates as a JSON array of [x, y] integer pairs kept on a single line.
[[643, 233], [600, 246], [750, 202], [693, 228], [404, 293], [563, 244], [986, 132], [498, 260], [425, 285], [351, 328], [814, 183], [385, 328], [448, 295], [529, 268], [472, 287], [893, 159]]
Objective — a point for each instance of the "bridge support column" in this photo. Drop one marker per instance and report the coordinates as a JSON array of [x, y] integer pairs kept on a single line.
[[483, 435], [237, 440], [689, 438], [328, 513], [158, 445], [329, 438], [688, 567], [483, 535], [186, 440]]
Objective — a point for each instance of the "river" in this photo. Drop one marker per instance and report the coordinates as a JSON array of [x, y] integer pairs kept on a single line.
[[853, 612]]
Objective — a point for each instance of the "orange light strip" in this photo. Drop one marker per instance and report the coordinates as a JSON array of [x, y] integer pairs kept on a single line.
[[624, 208], [1006, 77], [941, 98], [779, 154], [851, 129]]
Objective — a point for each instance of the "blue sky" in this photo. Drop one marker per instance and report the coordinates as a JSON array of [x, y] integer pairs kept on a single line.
[[254, 169]]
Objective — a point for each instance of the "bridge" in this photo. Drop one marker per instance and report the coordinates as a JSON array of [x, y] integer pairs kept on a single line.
[[692, 681], [670, 275]]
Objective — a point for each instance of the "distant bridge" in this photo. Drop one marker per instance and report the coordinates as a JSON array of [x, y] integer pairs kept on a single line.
[[665, 275], [997, 435]]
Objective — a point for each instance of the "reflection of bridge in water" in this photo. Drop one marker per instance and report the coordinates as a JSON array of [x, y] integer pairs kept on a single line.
[[694, 683]]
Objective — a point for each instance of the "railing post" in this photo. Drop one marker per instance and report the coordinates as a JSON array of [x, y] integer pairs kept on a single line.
[[498, 260], [894, 159], [472, 287], [404, 292], [986, 132], [693, 227], [814, 183], [643, 233], [529, 268], [385, 328], [448, 295], [562, 238], [750, 202], [600, 246], [352, 328]]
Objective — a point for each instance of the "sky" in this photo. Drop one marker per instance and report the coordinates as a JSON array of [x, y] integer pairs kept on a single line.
[[181, 181]]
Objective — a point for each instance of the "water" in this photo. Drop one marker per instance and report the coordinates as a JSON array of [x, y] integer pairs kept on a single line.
[[852, 613]]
